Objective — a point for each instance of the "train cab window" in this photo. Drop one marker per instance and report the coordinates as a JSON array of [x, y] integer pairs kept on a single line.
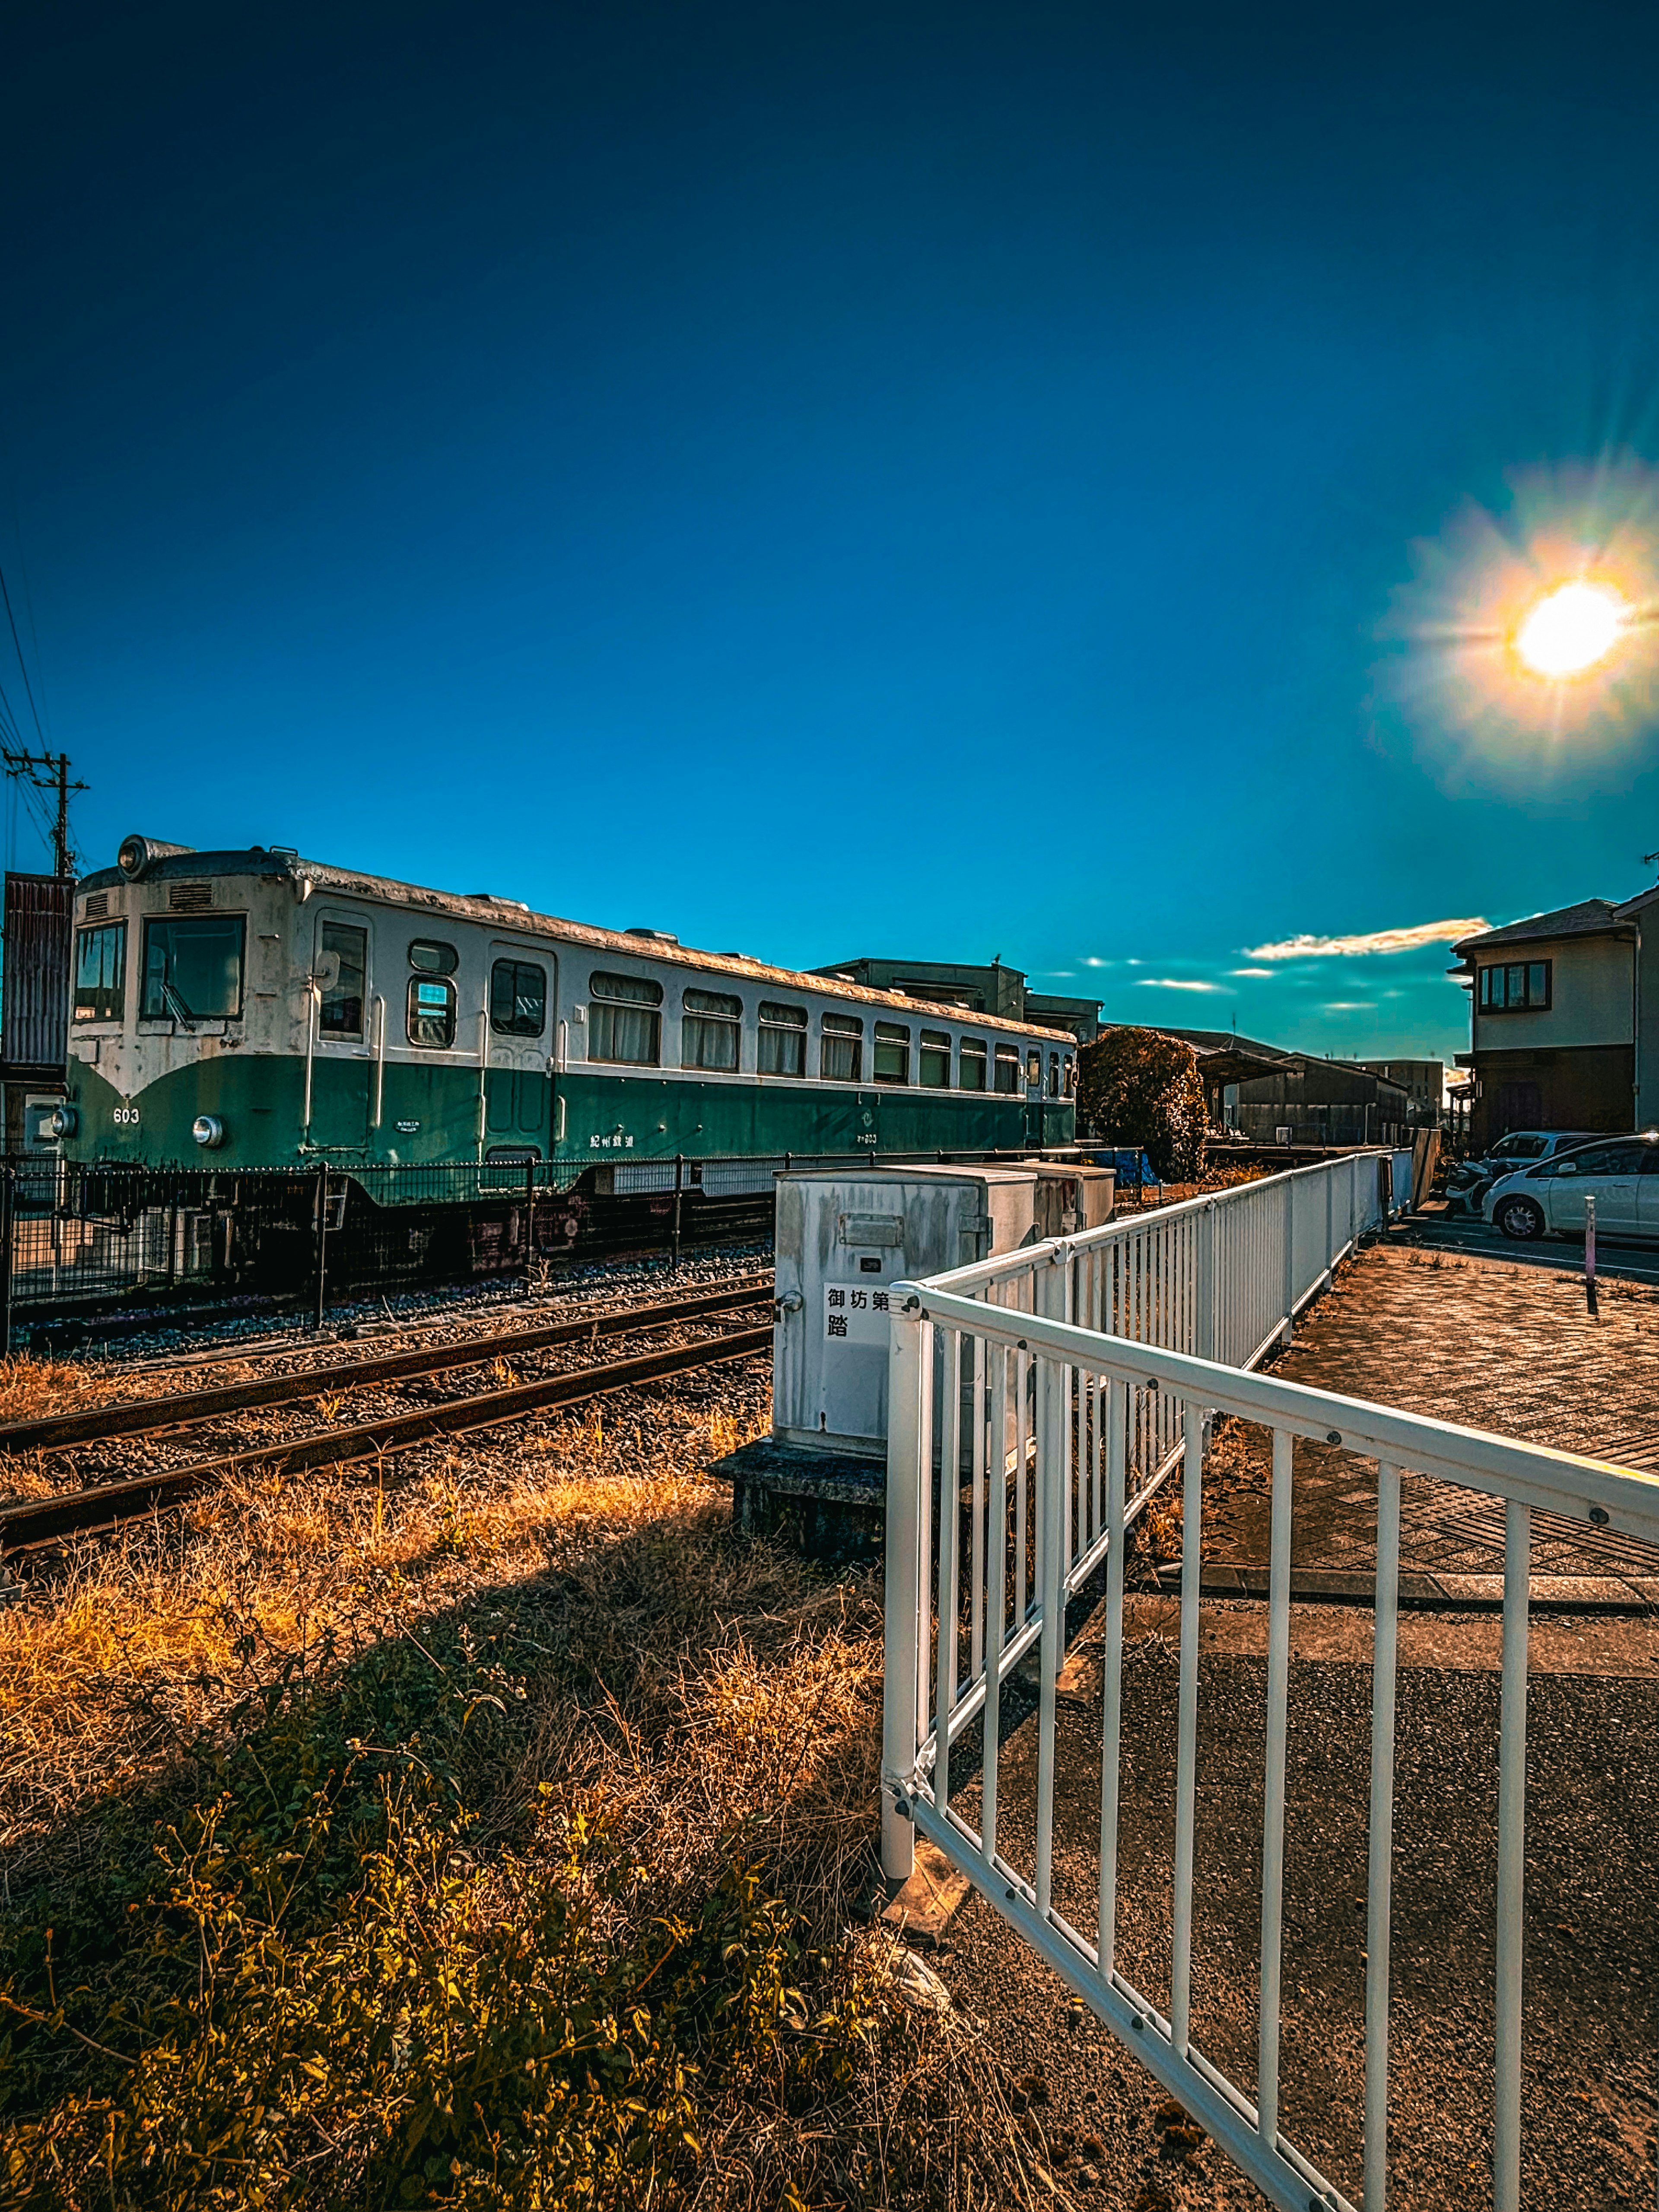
[[624, 1023], [709, 1029], [892, 1052], [431, 958], [1007, 1068], [842, 1057], [431, 1012], [936, 1060], [342, 973], [100, 969], [517, 999], [971, 1065], [1034, 1071], [782, 1039], [193, 970], [1053, 1075]]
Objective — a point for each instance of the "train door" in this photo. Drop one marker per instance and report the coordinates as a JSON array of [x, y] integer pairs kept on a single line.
[[341, 1058], [519, 1087]]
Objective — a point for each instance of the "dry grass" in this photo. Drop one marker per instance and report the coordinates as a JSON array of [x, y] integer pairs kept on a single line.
[[706, 1695]]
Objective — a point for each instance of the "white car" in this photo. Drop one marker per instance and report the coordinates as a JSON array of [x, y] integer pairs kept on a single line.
[[1620, 1173]]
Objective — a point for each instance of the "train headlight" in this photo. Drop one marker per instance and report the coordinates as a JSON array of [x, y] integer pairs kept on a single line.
[[60, 1122], [208, 1130]]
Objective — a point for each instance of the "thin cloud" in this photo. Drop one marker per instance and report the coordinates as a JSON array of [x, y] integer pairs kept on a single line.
[[1348, 1007], [1171, 983], [1249, 971], [1411, 939]]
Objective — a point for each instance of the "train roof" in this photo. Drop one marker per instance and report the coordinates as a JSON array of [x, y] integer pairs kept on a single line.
[[487, 907]]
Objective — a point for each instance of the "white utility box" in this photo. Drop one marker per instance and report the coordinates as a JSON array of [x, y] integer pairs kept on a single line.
[[1071, 1198], [843, 1238]]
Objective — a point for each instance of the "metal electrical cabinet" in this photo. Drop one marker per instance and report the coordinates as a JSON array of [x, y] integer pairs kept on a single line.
[[843, 1236]]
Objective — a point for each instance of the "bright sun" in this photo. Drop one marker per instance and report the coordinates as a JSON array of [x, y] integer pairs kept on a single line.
[[1570, 629]]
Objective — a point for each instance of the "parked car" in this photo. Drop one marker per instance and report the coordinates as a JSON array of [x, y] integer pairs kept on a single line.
[[1469, 1183], [1622, 1174]]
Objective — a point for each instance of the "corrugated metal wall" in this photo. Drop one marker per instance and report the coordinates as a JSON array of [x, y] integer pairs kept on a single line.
[[40, 917]]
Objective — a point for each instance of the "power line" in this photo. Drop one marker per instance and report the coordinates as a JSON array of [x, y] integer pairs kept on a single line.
[[22, 665]]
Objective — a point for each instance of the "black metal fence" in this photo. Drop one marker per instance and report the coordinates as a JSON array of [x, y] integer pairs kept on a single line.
[[77, 1241]]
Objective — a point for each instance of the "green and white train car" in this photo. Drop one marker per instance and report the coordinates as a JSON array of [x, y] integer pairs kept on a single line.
[[251, 1009]]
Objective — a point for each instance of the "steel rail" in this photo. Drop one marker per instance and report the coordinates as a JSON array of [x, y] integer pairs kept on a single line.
[[139, 1416], [32, 1523]]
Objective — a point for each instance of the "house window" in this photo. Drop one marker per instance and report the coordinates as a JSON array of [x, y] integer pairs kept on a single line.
[[193, 970], [936, 1059], [517, 999], [100, 967], [843, 1052], [624, 1024], [341, 971], [1519, 987], [1007, 1068], [971, 1065], [431, 1012], [433, 959], [892, 1052], [709, 1029], [782, 1039]]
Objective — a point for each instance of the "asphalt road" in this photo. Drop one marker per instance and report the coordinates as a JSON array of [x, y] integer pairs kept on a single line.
[[1441, 1232]]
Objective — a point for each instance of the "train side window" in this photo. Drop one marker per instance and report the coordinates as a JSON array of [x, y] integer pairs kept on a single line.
[[1071, 1076], [431, 1012], [100, 969], [782, 1039], [1053, 1075], [1007, 1068], [892, 1052], [842, 1059], [936, 1060], [710, 1025], [431, 958], [971, 1065], [624, 1024], [517, 999], [193, 970], [1034, 1071], [341, 972]]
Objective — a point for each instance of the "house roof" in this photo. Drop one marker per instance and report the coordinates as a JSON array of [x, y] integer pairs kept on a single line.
[[1589, 918]]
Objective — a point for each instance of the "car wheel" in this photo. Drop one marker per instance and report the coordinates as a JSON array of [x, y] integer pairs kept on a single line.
[[1520, 1218]]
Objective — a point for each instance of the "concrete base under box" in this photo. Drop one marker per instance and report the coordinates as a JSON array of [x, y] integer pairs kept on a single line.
[[826, 1505]]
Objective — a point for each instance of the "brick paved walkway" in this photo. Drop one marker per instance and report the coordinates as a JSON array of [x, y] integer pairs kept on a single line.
[[1506, 1349]]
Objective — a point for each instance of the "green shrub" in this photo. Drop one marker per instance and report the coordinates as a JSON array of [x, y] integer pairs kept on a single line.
[[1140, 1087]]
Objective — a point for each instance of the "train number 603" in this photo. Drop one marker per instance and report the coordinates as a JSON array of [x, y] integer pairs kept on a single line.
[[125, 1114]]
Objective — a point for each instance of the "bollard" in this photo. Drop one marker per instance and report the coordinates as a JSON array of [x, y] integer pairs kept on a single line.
[[1589, 1255]]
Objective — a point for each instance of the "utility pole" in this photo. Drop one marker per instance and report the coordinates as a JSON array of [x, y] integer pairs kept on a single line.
[[49, 772]]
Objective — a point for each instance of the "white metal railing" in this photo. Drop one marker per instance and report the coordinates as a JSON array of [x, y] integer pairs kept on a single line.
[[1053, 1426]]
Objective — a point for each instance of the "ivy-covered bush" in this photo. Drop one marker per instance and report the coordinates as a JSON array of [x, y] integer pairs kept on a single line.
[[1140, 1087]]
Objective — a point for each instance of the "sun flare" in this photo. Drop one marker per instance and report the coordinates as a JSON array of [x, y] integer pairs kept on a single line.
[[1570, 629]]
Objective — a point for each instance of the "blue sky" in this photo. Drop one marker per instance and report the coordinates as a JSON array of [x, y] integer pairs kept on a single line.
[[939, 481]]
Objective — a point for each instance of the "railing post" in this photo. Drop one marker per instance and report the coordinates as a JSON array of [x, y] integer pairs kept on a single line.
[[1290, 1257], [905, 1602], [1204, 1316], [679, 1184]]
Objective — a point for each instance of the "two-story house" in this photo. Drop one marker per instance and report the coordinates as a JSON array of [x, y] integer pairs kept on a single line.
[[1557, 1002]]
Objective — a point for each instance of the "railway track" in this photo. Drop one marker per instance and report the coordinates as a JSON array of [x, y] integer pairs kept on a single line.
[[34, 1523]]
